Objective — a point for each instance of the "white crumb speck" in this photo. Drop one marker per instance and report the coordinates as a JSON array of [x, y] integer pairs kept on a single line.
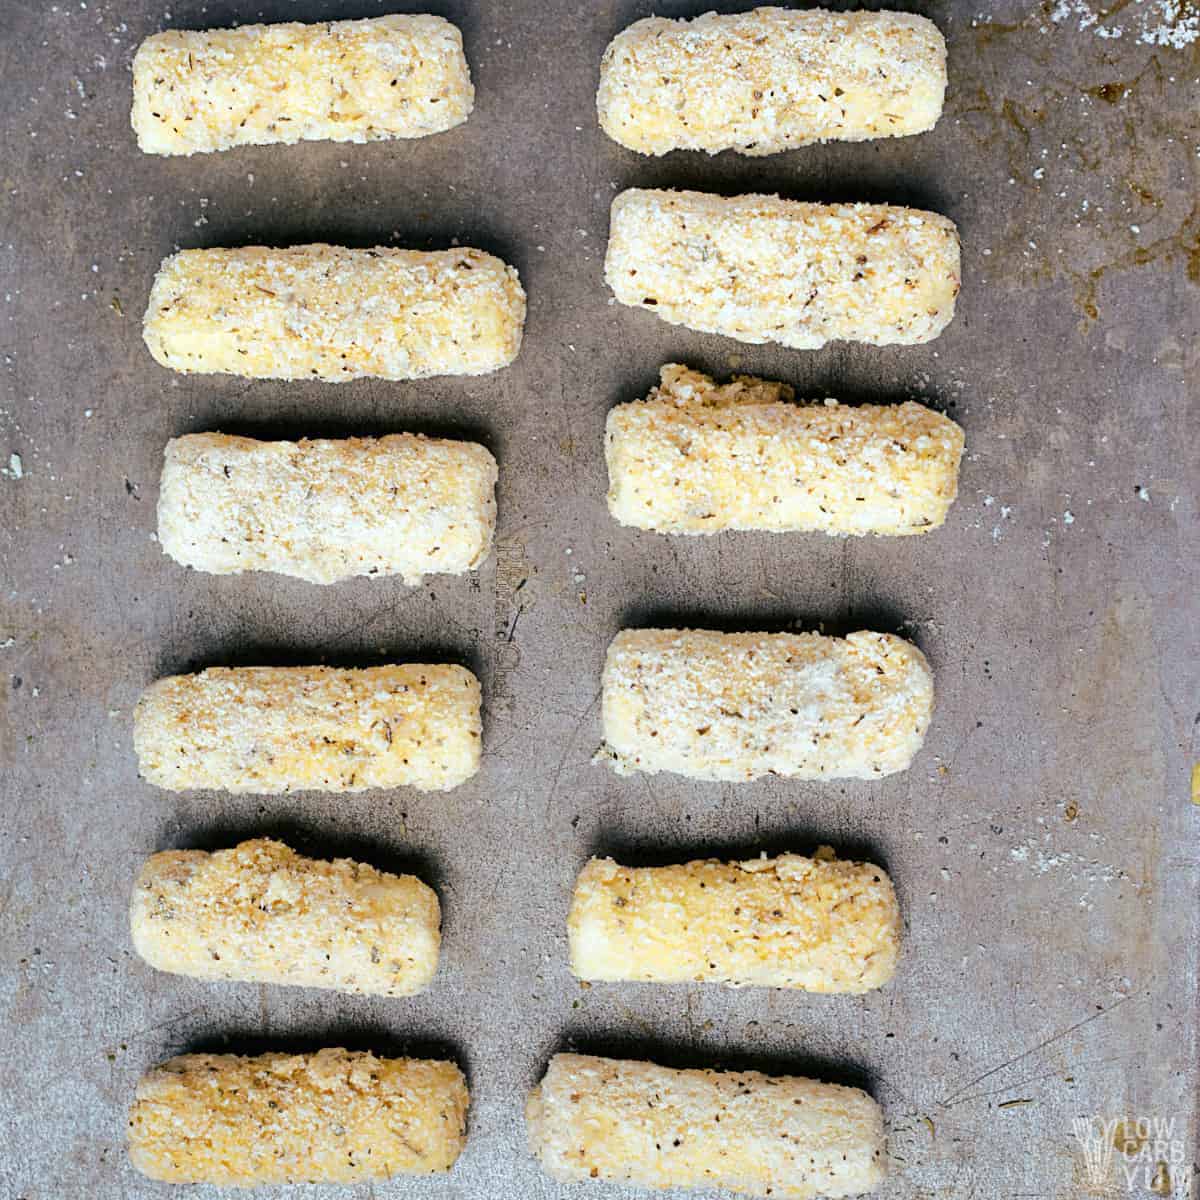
[[1173, 23]]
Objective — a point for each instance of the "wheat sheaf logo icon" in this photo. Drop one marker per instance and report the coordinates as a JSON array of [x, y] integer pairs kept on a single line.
[[1096, 1139]]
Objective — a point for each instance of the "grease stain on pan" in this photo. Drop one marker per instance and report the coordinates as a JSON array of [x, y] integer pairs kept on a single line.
[[1106, 148], [1182, 245]]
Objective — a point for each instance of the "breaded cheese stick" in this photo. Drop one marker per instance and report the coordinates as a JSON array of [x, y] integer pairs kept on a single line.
[[771, 79], [281, 729], [331, 1117], [762, 269], [327, 510], [653, 1127], [326, 312], [261, 913], [698, 457], [339, 81], [818, 924], [735, 706]]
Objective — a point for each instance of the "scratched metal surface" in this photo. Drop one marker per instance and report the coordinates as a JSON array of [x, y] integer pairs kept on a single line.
[[1042, 844]]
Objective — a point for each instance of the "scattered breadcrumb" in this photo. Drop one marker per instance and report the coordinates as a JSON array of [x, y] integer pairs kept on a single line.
[[1170, 23]]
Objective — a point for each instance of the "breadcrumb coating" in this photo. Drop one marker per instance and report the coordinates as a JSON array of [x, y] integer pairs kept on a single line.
[[761, 269], [262, 913], [736, 706], [341, 81], [327, 510], [699, 457], [653, 1127], [281, 729], [331, 1117], [771, 79], [817, 924], [330, 313]]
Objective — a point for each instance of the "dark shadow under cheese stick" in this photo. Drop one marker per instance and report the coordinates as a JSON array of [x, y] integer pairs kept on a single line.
[[331, 1117], [653, 1127]]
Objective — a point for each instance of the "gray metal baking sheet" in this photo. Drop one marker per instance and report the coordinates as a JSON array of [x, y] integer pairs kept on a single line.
[[1043, 844]]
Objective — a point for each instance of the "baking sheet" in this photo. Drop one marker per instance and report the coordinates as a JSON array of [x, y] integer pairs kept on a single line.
[[1043, 844]]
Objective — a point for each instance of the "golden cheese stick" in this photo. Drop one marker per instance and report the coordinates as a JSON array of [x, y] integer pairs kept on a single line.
[[281, 729], [771, 79], [326, 312], [335, 1116], [261, 913], [340, 81], [327, 510], [698, 457], [653, 1127], [762, 269], [818, 924], [736, 706]]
